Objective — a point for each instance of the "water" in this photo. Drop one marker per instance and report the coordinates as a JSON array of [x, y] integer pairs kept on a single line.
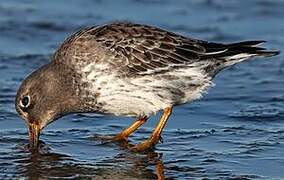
[[235, 132]]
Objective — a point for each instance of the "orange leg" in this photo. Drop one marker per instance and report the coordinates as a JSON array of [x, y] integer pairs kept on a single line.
[[123, 136], [156, 135]]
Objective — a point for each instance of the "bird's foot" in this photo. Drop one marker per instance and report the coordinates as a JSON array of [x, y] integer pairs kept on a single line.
[[141, 147], [146, 145], [116, 138], [119, 138]]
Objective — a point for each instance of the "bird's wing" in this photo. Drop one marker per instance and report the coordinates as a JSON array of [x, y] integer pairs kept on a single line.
[[138, 49]]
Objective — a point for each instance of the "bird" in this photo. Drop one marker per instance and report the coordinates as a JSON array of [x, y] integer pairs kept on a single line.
[[126, 69]]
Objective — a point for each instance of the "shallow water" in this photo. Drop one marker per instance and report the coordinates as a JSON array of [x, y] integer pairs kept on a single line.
[[235, 132]]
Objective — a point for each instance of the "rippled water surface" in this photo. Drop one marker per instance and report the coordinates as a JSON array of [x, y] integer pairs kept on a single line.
[[235, 132]]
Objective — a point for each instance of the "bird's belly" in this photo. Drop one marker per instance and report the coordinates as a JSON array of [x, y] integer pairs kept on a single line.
[[133, 101], [146, 95]]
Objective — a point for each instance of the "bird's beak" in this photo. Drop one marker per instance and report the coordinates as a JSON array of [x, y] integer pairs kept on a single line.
[[34, 132]]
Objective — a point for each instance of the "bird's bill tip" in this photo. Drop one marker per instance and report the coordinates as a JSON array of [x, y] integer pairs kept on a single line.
[[34, 133]]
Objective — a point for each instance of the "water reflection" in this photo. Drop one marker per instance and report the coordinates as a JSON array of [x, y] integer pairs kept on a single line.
[[126, 164]]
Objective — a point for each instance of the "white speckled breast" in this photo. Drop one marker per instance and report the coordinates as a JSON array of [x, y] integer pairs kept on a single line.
[[144, 95]]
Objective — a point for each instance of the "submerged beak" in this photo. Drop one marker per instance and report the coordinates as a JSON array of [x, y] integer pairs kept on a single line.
[[34, 132]]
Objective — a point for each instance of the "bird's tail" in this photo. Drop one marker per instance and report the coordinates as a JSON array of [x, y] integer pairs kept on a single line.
[[221, 56], [238, 52]]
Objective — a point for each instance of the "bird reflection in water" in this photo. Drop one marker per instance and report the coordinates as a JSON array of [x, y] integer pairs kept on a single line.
[[152, 156], [127, 164]]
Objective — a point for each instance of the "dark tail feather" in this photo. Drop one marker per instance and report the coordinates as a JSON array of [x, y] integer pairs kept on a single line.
[[247, 43], [224, 55], [236, 51], [251, 47]]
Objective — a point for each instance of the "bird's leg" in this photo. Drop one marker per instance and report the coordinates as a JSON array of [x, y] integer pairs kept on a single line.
[[123, 135], [156, 135]]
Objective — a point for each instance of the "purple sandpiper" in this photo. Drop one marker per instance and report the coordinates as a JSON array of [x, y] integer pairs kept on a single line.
[[125, 69]]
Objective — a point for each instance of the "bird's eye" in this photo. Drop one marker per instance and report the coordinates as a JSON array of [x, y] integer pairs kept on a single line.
[[25, 102]]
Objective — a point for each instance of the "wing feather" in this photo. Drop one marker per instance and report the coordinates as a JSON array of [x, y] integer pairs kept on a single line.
[[147, 48], [137, 49]]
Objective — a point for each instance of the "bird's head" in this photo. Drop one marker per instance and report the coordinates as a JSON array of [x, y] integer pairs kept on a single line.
[[43, 97]]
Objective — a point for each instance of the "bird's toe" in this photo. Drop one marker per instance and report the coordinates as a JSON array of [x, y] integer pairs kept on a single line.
[[144, 146]]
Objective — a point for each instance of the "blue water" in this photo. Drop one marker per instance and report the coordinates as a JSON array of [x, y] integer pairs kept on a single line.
[[235, 132]]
